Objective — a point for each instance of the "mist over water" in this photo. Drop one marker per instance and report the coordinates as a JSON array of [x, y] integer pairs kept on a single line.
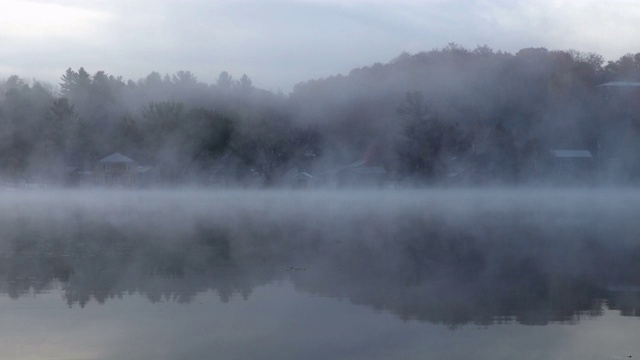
[[242, 273], [443, 256]]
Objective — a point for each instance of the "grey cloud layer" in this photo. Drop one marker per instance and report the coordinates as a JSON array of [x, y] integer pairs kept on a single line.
[[279, 43]]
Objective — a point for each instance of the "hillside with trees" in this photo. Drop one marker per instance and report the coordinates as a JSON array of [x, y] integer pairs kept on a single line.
[[445, 116]]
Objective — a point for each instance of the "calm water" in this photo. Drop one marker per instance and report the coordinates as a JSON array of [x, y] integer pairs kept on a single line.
[[473, 274]]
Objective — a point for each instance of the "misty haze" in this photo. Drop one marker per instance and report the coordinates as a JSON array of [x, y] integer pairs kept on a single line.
[[451, 203], [451, 116]]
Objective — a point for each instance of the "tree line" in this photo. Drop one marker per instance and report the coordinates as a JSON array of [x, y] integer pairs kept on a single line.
[[450, 114]]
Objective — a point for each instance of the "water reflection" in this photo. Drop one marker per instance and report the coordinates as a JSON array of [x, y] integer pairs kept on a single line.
[[452, 257]]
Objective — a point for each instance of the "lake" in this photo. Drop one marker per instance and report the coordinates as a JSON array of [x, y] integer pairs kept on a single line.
[[348, 274]]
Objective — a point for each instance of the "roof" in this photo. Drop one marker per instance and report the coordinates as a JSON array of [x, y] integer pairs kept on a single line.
[[571, 153], [303, 175], [358, 163], [116, 158], [144, 169], [620, 84], [366, 170]]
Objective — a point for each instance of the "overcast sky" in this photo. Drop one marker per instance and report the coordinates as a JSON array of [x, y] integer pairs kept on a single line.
[[280, 43]]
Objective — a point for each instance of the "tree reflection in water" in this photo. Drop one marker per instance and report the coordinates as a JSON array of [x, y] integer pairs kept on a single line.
[[450, 257]]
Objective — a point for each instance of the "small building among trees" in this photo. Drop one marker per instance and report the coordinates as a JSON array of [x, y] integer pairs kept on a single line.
[[116, 169], [572, 164], [361, 173]]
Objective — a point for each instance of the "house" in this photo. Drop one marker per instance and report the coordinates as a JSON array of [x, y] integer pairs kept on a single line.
[[302, 180], [116, 169], [369, 171], [75, 176], [572, 164], [361, 173]]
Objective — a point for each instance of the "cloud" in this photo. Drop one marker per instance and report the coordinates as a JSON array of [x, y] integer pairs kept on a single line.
[[280, 43], [590, 25], [27, 20]]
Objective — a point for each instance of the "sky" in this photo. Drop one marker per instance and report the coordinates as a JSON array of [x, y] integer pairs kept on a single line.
[[279, 43]]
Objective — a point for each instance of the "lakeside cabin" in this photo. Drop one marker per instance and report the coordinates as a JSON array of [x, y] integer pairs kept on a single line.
[[573, 164], [116, 169]]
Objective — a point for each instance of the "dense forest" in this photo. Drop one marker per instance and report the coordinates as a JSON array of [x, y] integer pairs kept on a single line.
[[445, 116]]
